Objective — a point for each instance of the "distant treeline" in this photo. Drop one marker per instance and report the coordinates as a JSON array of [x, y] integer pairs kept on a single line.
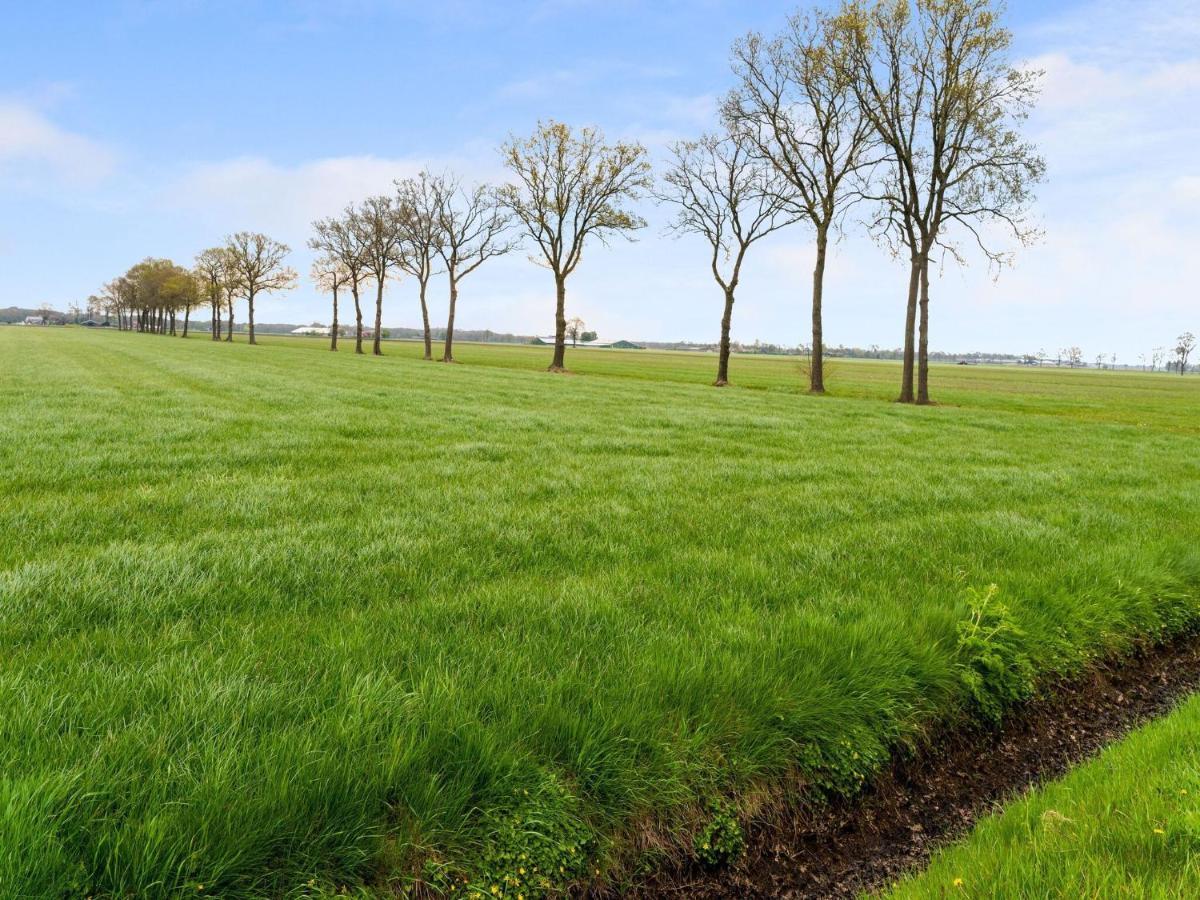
[[844, 352], [12, 314], [484, 336]]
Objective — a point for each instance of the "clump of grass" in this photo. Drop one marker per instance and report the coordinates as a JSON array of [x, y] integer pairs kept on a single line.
[[535, 846]]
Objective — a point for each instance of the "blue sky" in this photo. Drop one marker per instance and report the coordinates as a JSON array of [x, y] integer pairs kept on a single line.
[[130, 129]]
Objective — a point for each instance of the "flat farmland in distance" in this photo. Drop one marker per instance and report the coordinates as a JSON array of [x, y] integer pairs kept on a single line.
[[272, 615]]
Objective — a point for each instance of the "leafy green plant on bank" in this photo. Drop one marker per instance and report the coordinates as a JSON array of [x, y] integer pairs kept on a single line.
[[721, 840], [992, 663], [537, 847]]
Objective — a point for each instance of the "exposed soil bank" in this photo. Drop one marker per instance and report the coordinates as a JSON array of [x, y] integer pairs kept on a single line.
[[920, 803]]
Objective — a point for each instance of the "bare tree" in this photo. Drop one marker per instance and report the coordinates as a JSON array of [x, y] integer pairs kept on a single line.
[[473, 225], [935, 83], [258, 262], [422, 237], [376, 223], [329, 274], [1184, 345], [731, 199], [212, 268], [575, 327], [232, 285], [1157, 355], [797, 109], [341, 240], [569, 188], [115, 296]]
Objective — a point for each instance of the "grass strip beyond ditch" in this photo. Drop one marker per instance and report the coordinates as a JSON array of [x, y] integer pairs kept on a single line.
[[1126, 824]]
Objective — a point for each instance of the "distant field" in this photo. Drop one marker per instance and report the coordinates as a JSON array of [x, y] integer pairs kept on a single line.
[[1126, 397], [1124, 825], [272, 614]]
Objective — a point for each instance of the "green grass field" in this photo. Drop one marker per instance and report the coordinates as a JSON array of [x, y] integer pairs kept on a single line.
[[1126, 824], [271, 614]]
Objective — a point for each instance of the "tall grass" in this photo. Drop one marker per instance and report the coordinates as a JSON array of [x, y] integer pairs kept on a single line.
[[270, 614]]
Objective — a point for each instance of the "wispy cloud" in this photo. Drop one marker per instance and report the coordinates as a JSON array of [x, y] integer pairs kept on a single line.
[[586, 74], [36, 152]]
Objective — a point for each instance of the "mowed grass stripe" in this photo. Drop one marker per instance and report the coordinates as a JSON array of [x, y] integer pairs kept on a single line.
[[273, 614]]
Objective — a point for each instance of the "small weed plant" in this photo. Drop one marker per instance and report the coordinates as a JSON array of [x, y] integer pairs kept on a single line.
[[992, 664]]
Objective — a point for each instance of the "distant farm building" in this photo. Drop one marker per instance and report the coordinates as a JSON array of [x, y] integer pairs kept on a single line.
[[590, 345], [312, 330], [35, 320]]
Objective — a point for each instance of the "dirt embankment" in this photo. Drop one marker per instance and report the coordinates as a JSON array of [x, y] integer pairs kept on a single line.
[[918, 804]]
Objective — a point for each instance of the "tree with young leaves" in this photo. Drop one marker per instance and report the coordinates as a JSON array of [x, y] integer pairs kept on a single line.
[[329, 274], [150, 298], [473, 225], [257, 262], [421, 236], [180, 291], [732, 199], [340, 239], [795, 108], [569, 188], [934, 80]]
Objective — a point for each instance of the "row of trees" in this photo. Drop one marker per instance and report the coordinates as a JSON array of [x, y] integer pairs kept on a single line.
[[430, 220], [907, 111], [153, 293]]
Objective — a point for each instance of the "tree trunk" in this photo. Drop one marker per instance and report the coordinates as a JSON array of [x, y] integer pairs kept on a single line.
[[448, 349], [559, 363], [229, 326], [172, 323], [425, 320], [923, 346], [333, 331], [376, 348], [910, 328], [250, 318], [723, 353], [215, 325], [187, 315], [816, 375], [357, 319]]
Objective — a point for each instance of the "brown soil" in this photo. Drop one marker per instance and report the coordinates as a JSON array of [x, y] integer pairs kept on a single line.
[[843, 849]]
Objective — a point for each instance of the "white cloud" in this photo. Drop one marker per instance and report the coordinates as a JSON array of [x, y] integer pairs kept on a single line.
[[257, 193], [34, 150]]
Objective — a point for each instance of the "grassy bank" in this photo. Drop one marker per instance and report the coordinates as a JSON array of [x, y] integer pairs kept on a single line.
[[1124, 825], [272, 614]]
